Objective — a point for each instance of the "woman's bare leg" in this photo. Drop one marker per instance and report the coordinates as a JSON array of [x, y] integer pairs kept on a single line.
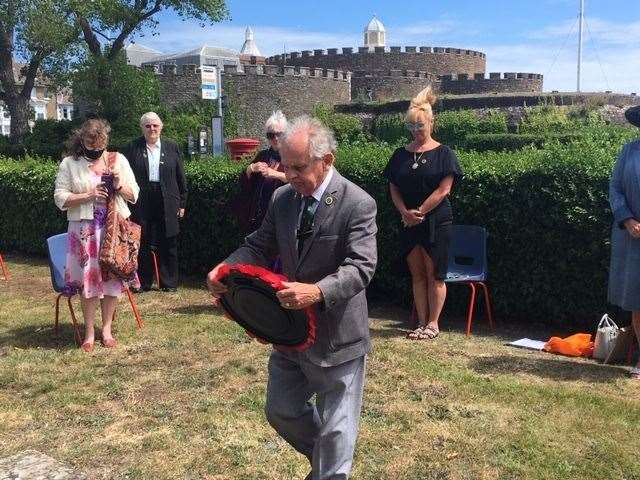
[[436, 291], [415, 260], [89, 314], [108, 305]]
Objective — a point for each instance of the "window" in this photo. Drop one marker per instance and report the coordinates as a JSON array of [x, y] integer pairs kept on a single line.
[[40, 112]]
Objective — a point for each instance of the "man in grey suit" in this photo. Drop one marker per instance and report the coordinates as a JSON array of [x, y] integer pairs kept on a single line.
[[323, 227]]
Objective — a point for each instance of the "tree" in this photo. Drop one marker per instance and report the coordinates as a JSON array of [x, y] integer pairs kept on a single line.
[[113, 89], [113, 21], [116, 91], [42, 32]]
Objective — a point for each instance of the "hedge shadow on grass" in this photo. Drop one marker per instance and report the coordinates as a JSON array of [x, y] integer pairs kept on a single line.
[[554, 368], [40, 337]]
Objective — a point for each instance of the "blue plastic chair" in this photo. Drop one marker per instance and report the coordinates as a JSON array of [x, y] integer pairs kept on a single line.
[[468, 265], [57, 250]]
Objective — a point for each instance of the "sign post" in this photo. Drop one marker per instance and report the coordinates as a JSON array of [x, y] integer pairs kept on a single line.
[[211, 80]]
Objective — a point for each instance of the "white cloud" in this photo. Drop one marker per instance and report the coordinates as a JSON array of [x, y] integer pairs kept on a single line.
[[270, 40], [602, 32], [427, 29], [612, 69]]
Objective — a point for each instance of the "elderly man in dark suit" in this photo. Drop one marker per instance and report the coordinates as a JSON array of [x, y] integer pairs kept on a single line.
[[323, 227], [157, 165]]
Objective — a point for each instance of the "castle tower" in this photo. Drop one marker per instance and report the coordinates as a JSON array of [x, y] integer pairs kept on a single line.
[[249, 47], [374, 34]]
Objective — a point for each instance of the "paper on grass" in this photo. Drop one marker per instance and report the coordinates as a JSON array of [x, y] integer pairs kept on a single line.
[[528, 343]]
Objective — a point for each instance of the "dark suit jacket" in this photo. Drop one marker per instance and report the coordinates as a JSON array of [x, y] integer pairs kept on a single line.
[[340, 257], [172, 182]]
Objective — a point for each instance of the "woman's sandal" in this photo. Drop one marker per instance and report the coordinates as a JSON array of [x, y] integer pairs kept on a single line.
[[423, 333], [416, 334], [430, 332]]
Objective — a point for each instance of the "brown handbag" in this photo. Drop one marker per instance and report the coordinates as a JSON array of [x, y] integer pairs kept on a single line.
[[121, 240]]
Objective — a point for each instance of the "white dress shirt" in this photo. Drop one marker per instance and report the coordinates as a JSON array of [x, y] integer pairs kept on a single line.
[[153, 156]]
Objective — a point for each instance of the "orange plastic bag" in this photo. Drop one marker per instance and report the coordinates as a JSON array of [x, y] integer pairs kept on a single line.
[[578, 345]]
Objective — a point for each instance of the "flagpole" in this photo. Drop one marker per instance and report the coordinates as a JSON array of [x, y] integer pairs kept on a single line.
[[581, 22]]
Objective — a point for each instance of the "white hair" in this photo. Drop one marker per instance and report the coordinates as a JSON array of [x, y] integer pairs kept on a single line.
[[149, 116], [320, 138], [277, 122]]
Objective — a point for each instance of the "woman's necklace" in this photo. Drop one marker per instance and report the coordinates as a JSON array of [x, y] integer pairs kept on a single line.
[[417, 159]]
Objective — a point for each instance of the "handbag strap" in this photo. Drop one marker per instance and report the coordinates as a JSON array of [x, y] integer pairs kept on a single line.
[[606, 321], [111, 160]]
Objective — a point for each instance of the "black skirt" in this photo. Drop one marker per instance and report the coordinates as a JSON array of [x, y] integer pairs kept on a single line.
[[434, 237]]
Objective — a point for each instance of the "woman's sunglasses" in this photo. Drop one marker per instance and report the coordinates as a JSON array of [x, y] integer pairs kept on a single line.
[[272, 135], [413, 126]]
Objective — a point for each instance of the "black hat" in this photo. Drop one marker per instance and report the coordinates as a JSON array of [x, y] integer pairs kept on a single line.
[[251, 301], [633, 115]]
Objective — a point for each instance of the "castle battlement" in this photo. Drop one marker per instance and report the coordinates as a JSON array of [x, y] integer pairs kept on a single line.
[[394, 73], [190, 70], [495, 82], [332, 52], [491, 76], [288, 71]]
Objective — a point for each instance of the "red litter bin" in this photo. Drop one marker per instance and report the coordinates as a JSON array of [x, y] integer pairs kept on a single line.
[[241, 147]]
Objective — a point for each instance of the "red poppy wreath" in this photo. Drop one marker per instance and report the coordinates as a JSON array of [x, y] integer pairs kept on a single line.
[[251, 302]]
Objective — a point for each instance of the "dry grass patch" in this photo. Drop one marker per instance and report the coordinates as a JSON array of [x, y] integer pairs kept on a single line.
[[184, 398]]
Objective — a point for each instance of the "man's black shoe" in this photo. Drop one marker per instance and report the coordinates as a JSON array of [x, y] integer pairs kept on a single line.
[[169, 289]]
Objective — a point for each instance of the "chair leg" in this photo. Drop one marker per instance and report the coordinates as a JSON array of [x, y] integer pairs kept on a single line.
[[487, 304], [632, 347], [55, 323], [155, 267], [76, 331], [5, 271], [472, 302], [134, 307]]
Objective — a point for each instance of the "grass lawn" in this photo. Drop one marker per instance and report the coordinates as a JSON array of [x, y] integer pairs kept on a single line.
[[183, 398]]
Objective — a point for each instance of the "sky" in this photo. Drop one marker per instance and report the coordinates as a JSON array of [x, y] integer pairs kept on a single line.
[[537, 36]]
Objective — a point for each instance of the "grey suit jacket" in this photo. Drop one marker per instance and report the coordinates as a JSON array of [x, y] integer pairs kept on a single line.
[[340, 257]]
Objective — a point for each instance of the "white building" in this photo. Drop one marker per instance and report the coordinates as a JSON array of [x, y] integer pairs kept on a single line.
[[5, 120], [138, 54], [43, 103], [249, 47], [375, 34], [203, 55]]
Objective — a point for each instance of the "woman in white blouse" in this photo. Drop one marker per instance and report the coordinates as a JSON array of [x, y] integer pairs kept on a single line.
[[86, 178]]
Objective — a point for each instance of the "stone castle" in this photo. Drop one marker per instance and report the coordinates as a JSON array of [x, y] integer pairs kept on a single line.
[[295, 82]]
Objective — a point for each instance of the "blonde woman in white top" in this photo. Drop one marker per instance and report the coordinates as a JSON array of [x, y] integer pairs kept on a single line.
[[83, 184]]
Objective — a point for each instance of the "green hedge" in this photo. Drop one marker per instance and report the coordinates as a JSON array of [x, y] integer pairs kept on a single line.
[[451, 127], [514, 141], [546, 212]]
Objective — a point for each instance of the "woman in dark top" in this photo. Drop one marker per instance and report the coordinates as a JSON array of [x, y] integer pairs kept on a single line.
[[421, 176], [263, 175]]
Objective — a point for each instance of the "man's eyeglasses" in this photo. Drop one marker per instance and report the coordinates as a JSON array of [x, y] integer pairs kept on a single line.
[[272, 135], [413, 126]]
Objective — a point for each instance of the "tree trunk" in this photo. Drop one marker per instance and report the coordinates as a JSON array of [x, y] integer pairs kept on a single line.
[[20, 111]]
